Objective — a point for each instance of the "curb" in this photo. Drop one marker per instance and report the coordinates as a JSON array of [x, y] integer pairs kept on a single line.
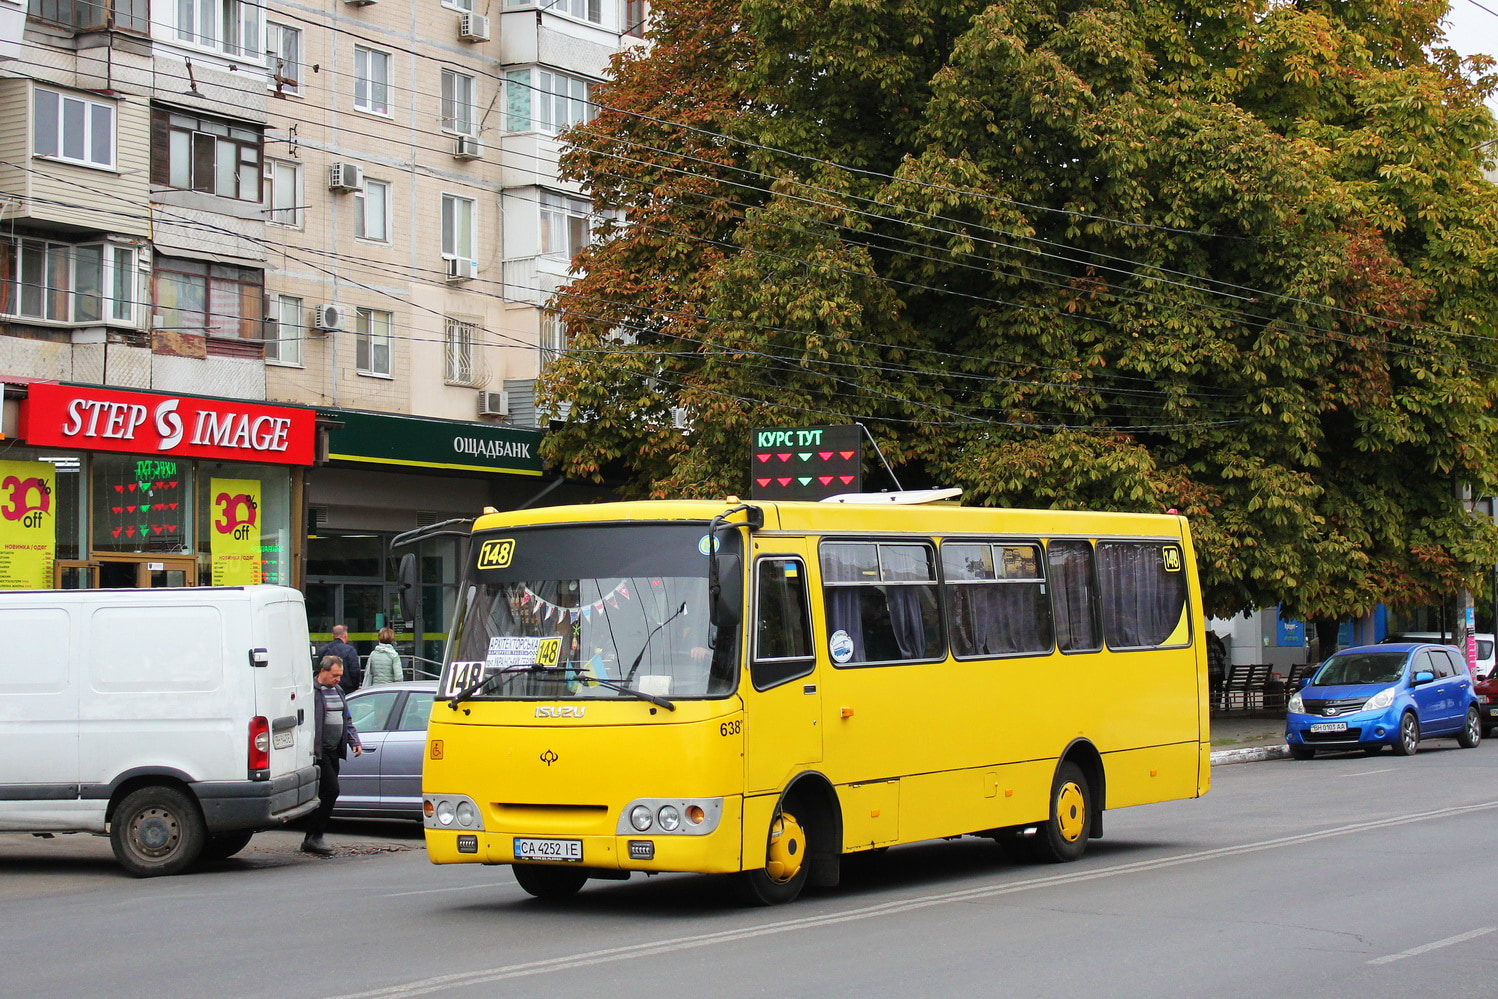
[[1250, 754]]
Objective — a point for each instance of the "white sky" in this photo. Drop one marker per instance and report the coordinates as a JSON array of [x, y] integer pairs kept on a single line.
[[1473, 27]]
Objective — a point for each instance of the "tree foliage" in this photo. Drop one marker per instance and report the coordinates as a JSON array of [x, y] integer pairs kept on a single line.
[[1235, 260]]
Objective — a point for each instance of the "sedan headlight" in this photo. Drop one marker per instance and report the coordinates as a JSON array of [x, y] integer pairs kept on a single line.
[[1295, 705], [1380, 700]]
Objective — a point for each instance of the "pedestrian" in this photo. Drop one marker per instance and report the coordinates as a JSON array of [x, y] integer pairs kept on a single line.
[[353, 672], [334, 733], [384, 663]]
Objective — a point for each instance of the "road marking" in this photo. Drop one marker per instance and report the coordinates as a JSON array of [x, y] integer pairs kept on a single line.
[[437, 983], [1369, 773], [1436, 945]]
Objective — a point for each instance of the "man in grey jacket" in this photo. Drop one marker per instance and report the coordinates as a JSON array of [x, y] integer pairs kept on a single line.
[[334, 733]]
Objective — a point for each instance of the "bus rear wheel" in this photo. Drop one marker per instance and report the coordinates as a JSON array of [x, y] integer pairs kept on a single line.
[[784, 874], [1063, 838], [549, 883]]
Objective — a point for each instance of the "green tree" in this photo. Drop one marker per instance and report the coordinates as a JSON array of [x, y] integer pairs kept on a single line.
[[1233, 260]]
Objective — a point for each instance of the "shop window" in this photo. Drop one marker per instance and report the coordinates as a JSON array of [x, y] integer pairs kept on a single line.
[[67, 282], [194, 153], [139, 504], [72, 128], [213, 299]]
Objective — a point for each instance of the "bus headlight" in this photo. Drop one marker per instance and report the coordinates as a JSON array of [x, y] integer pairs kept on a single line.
[[445, 812], [669, 818], [467, 814], [639, 817]]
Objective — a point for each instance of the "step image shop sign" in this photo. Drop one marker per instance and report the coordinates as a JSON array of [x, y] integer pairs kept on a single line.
[[96, 419]]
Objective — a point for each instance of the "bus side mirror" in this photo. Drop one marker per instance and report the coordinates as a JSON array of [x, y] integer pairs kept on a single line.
[[724, 607], [408, 576]]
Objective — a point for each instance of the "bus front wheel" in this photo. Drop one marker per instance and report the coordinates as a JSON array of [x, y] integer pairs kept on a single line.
[[549, 882], [784, 874], [1063, 838]]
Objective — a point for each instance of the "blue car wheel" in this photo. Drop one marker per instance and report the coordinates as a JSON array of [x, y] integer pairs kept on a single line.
[[1409, 735]]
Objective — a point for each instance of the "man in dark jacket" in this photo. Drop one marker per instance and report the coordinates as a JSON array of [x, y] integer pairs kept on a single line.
[[334, 733], [353, 670]]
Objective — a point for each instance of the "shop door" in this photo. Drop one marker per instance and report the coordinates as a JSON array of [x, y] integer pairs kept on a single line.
[[145, 571]]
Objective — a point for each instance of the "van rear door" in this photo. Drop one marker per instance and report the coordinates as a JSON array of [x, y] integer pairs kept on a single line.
[[283, 686], [38, 714]]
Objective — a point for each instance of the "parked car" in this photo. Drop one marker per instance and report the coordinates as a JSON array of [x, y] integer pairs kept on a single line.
[[1487, 703], [1482, 668], [386, 781], [1388, 694]]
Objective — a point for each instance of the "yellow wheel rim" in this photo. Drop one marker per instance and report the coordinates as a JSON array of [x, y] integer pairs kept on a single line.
[[787, 849], [1071, 812]]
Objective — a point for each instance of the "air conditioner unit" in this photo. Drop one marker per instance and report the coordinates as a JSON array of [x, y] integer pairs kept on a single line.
[[466, 147], [494, 403], [358, 3], [345, 177], [328, 318], [473, 27], [461, 268], [680, 418]]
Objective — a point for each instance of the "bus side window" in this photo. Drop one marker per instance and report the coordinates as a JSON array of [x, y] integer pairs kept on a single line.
[[1144, 599], [1073, 596], [782, 627]]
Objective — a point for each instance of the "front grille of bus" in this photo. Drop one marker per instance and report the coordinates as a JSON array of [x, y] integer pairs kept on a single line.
[[577, 819]]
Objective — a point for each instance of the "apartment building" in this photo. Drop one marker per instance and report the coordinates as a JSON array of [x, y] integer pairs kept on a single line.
[[287, 262]]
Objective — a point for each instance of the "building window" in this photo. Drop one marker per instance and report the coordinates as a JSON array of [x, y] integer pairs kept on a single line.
[[634, 18], [566, 225], [283, 56], [67, 283], [72, 128], [205, 154], [460, 337], [457, 102], [543, 101], [583, 10], [283, 200], [193, 296], [457, 227], [372, 342], [231, 26], [553, 338], [94, 15], [465, 5], [372, 211], [285, 330], [371, 80]]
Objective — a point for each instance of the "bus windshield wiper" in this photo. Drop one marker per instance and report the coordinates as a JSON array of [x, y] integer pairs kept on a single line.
[[483, 682], [624, 688]]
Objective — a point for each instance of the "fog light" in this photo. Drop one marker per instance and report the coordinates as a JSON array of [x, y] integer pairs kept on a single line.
[[669, 817], [639, 817]]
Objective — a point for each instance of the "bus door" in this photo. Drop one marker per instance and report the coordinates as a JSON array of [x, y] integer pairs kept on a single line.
[[783, 701]]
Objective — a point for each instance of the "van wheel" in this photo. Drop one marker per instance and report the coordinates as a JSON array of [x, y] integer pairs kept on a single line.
[[157, 831], [549, 882], [1063, 838], [226, 845], [784, 874]]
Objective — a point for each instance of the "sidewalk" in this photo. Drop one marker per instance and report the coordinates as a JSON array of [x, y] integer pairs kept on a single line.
[[1238, 737]]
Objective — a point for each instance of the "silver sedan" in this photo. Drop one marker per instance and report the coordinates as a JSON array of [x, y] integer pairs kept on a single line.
[[392, 721]]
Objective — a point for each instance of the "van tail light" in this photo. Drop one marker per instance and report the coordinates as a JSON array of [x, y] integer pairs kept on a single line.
[[259, 748]]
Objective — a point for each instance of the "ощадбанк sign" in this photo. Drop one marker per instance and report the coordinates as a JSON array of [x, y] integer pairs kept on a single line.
[[100, 419]]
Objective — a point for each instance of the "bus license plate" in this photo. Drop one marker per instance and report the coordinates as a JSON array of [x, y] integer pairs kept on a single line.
[[570, 850], [1329, 727]]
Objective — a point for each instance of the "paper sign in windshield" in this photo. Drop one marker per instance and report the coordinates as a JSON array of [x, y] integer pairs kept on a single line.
[[519, 650]]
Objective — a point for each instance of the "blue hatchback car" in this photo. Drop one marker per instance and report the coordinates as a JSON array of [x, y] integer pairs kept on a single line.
[[1376, 695]]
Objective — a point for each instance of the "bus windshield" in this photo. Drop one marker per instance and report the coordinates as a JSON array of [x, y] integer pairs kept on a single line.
[[545, 611]]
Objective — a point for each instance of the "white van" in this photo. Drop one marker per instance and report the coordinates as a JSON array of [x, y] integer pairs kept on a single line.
[[1485, 657], [177, 720]]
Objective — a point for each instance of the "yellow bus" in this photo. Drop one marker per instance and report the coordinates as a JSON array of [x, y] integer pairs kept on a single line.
[[763, 688]]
